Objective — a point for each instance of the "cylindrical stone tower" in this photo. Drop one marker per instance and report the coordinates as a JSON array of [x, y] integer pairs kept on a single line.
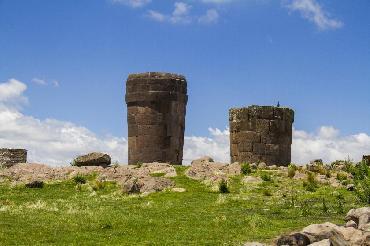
[[261, 134], [156, 108]]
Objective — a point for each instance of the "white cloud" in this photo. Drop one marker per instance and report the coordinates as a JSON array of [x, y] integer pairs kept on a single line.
[[313, 11], [11, 93], [210, 17], [133, 3], [180, 14], [49, 141], [38, 81]]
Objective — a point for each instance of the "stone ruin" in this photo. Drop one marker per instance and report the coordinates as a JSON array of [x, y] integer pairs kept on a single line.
[[10, 157], [156, 108], [261, 134], [366, 159]]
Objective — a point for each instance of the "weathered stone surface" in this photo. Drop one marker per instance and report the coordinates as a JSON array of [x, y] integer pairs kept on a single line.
[[133, 179], [325, 242], [261, 133], [295, 239], [10, 157], [319, 232], [93, 159], [206, 169], [361, 216], [156, 105]]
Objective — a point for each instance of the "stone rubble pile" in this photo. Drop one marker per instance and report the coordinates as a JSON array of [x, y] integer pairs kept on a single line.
[[131, 178]]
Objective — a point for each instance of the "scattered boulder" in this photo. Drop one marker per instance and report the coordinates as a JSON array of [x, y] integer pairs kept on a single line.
[[252, 180], [319, 232], [360, 216], [179, 190], [93, 159], [351, 223], [350, 187], [208, 170], [295, 239], [254, 244], [262, 165], [35, 184]]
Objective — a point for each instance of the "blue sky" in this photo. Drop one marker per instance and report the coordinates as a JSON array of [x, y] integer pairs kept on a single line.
[[75, 55]]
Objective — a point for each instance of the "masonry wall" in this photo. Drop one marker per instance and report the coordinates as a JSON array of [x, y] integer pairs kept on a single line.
[[261, 133], [10, 157], [156, 109]]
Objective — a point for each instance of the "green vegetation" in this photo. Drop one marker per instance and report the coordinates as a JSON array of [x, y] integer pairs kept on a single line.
[[246, 168], [291, 170], [157, 174], [223, 187], [361, 174], [310, 184], [265, 176], [62, 214], [79, 179]]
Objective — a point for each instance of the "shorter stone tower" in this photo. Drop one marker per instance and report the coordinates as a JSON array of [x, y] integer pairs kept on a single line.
[[156, 108], [10, 157], [261, 134]]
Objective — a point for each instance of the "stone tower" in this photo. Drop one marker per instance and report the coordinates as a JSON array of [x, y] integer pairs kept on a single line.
[[261, 133], [156, 108]]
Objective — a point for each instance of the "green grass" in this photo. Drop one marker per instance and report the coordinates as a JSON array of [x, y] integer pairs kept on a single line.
[[65, 213]]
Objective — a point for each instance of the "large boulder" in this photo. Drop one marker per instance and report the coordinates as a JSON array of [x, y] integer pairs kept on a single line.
[[146, 185], [319, 232], [360, 215], [93, 159], [295, 239]]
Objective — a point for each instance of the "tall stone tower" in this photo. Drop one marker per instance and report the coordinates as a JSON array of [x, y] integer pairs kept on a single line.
[[261, 133], [156, 108]]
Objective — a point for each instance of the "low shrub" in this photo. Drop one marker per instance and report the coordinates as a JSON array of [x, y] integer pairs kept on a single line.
[[291, 170], [157, 174], [98, 185], [310, 184], [246, 169], [361, 174], [267, 192], [342, 176], [223, 187], [266, 176], [79, 179]]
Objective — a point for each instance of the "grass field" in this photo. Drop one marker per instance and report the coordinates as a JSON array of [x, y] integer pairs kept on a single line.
[[65, 213]]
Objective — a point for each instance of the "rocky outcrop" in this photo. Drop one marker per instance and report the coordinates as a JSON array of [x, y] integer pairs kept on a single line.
[[10, 157], [92, 159], [206, 169], [355, 232], [149, 177]]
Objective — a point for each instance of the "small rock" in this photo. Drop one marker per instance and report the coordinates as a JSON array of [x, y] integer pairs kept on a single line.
[[262, 165], [253, 166], [295, 239], [273, 167], [351, 223], [325, 242], [180, 190], [350, 187], [204, 159], [35, 184], [365, 227], [254, 244], [93, 159], [252, 180]]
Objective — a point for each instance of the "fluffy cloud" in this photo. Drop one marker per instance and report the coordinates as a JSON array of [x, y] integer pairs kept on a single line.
[[38, 81], [180, 14], [210, 17], [49, 141], [133, 3], [57, 142], [313, 11]]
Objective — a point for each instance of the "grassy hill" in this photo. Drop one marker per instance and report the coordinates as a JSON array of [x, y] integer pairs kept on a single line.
[[98, 213]]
